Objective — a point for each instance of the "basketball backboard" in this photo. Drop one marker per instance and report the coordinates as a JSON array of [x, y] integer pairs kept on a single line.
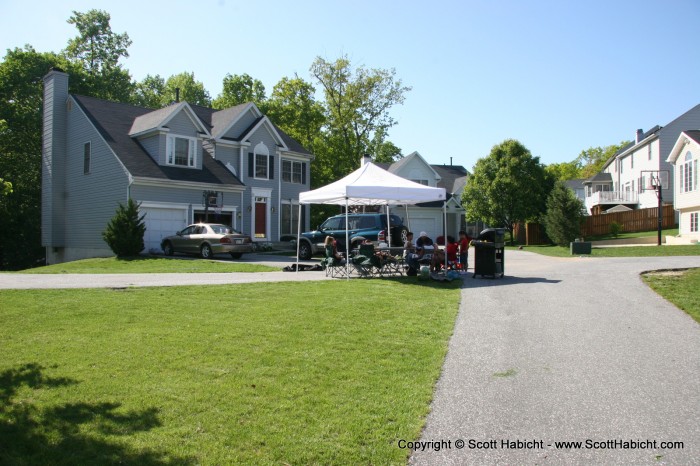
[[652, 179]]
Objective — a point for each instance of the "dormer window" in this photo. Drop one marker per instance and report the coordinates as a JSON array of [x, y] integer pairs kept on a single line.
[[181, 151]]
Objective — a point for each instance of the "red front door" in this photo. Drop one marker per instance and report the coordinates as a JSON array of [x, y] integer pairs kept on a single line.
[[260, 220]]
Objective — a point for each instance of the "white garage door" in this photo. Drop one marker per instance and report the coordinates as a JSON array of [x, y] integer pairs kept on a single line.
[[423, 224], [161, 222]]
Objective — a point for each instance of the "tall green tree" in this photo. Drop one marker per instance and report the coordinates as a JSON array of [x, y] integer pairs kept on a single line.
[[507, 187], [98, 49], [357, 105], [294, 108], [564, 215], [240, 89], [191, 90]]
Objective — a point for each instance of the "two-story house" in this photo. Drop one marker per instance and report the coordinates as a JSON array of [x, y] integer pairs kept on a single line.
[[684, 158], [622, 179], [97, 154]]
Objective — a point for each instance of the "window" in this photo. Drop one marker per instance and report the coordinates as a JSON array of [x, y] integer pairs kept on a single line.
[[261, 166], [423, 182], [632, 161], [289, 218], [621, 166], [688, 174], [181, 151], [694, 222], [293, 171], [649, 152], [87, 158]]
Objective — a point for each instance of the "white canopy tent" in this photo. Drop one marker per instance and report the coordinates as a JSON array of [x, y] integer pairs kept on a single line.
[[370, 185]]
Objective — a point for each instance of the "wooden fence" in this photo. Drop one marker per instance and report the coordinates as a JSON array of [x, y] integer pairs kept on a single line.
[[594, 225], [631, 221]]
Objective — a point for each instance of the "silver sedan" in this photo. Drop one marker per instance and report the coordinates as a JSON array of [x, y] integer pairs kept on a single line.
[[207, 239]]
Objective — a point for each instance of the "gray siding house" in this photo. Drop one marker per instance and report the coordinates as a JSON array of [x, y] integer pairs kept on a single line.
[[97, 154]]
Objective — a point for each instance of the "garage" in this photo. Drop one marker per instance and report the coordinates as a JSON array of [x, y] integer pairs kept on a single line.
[[161, 222], [419, 224]]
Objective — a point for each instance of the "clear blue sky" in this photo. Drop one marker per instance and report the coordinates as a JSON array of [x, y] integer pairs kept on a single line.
[[558, 75]]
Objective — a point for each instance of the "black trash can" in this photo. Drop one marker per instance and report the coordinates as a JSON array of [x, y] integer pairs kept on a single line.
[[489, 257]]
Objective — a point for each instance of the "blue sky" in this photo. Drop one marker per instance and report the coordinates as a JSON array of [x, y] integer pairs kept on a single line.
[[558, 75]]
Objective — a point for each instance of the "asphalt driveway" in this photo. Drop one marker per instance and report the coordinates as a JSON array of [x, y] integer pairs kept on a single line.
[[568, 350]]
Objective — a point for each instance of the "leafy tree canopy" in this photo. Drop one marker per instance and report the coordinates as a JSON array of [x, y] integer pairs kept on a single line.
[[592, 159], [240, 89], [357, 104], [564, 171], [191, 90], [97, 47], [507, 187]]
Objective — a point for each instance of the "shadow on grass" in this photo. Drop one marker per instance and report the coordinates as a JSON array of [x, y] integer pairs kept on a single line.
[[73, 433]]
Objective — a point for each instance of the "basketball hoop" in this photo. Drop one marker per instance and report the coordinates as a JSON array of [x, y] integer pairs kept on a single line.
[[217, 210]]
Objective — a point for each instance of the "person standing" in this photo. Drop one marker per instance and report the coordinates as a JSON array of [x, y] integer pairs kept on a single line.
[[464, 240]]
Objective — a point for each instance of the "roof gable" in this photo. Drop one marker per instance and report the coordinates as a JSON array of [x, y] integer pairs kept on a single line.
[[414, 157], [685, 138], [157, 119]]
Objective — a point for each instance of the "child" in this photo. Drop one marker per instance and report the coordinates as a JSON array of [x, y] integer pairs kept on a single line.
[[464, 241], [439, 256]]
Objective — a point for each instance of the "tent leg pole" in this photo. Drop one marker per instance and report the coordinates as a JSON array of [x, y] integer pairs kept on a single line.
[[298, 236], [347, 243]]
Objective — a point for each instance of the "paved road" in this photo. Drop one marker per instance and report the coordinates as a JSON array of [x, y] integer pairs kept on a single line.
[[568, 349], [28, 281]]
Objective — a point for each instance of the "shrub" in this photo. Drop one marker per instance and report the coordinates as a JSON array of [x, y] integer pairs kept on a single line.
[[562, 221], [124, 232], [615, 229]]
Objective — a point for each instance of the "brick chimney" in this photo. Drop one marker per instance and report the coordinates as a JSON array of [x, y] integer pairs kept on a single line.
[[366, 158], [639, 136]]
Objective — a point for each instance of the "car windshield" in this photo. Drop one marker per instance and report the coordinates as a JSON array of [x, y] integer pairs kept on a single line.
[[222, 229]]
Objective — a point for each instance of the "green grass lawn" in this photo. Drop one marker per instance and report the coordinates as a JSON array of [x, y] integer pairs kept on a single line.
[[627, 251], [637, 234], [149, 265], [268, 373], [681, 288]]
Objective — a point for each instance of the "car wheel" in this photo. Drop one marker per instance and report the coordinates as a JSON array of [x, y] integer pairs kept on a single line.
[[305, 251], [236, 255], [205, 251], [403, 234], [168, 248]]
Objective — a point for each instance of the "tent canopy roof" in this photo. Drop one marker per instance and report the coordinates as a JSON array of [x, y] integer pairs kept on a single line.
[[372, 185]]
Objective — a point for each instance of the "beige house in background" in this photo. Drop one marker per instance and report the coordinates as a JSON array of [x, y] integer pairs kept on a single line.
[[684, 159]]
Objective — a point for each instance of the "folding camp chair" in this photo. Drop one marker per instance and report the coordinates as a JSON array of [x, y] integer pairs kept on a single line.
[[334, 267]]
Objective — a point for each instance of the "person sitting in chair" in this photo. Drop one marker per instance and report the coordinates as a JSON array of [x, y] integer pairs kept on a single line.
[[332, 250], [409, 254]]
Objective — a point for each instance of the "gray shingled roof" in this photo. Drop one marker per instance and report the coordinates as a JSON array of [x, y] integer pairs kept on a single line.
[[452, 177], [693, 134], [599, 177], [113, 120], [152, 119]]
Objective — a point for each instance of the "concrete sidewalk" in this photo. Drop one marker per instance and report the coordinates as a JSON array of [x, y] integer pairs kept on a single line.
[[568, 350]]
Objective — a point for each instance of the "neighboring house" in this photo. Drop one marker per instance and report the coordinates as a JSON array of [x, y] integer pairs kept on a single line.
[[578, 187], [428, 217], [97, 154], [621, 181], [684, 158]]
